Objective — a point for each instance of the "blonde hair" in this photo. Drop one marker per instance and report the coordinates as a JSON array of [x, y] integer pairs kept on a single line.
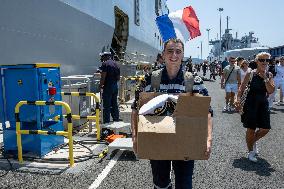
[[262, 54]]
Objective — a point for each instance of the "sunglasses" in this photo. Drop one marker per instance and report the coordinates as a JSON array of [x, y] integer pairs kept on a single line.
[[264, 60]]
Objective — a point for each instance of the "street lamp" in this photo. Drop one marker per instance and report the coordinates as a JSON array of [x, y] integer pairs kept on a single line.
[[198, 53], [201, 49], [220, 10], [208, 30]]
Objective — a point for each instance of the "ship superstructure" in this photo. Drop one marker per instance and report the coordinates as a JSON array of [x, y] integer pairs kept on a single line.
[[228, 42]]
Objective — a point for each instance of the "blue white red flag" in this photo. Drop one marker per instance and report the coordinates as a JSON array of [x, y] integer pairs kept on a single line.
[[182, 24]]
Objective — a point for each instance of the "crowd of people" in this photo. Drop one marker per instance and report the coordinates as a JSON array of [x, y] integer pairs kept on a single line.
[[241, 68]]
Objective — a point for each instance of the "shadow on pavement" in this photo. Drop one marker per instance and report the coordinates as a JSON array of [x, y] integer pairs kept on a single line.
[[262, 167], [277, 110], [128, 156]]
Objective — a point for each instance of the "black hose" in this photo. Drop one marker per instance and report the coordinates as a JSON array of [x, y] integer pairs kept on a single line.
[[5, 157], [77, 159]]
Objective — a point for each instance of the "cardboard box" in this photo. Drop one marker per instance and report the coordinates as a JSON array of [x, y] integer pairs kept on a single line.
[[182, 136]]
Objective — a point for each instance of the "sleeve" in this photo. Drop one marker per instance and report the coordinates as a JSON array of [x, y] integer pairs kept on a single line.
[[104, 67], [211, 111], [204, 92], [275, 71]]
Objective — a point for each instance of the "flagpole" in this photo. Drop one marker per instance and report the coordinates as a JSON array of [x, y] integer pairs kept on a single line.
[[220, 10], [208, 30], [201, 48]]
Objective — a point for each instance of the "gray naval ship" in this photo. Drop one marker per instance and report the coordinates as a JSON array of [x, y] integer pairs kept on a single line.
[[74, 32], [247, 46]]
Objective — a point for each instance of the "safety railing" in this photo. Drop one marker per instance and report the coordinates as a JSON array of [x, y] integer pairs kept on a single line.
[[67, 134], [136, 78], [127, 89], [96, 117]]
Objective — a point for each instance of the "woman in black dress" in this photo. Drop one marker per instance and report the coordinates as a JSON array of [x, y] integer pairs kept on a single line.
[[256, 110]]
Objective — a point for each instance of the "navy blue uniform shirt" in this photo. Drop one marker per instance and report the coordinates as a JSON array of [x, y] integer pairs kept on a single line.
[[113, 73], [167, 86]]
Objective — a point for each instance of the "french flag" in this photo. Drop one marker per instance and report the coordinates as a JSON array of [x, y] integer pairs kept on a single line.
[[182, 24]]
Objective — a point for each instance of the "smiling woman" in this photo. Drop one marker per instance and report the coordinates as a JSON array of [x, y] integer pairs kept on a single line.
[[256, 110]]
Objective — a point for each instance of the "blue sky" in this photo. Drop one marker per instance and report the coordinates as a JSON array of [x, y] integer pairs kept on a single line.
[[263, 17]]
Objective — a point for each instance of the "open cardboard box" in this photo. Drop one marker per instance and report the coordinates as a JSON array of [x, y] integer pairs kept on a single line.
[[182, 136]]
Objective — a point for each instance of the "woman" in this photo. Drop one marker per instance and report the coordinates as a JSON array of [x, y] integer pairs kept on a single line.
[[279, 80], [256, 111], [244, 69]]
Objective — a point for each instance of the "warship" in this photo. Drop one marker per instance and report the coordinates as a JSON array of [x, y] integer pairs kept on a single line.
[[247, 46]]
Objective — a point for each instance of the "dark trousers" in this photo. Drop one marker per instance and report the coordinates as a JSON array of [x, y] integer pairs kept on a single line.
[[110, 104], [183, 173], [204, 72], [212, 74]]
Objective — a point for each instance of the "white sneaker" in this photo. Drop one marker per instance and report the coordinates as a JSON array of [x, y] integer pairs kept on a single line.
[[255, 148], [251, 156], [226, 108], [279, 103], [232, 109]]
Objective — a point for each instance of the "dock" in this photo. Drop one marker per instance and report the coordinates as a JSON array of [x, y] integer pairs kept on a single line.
[[228, 166]]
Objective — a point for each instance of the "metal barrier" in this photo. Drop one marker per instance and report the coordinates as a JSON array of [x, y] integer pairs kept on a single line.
[[136, 78], [97, 117], [67, 134]]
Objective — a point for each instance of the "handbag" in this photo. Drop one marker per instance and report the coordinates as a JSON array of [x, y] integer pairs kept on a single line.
[[243, 97]]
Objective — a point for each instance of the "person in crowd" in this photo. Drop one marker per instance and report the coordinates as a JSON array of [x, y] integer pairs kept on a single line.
[[239, 61], [256, 111], [252, 65], [172, 80], [224, 64], [198, 67], [159, 62], [188, 65], [146, 70], [244, 69], [279, 81], [204, 67], [281, 93], [272, 69], [213, 68], [110, 75], [219, 69], [230, 81]]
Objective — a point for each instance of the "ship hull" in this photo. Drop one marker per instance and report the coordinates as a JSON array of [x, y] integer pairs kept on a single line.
[[52, 31]]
